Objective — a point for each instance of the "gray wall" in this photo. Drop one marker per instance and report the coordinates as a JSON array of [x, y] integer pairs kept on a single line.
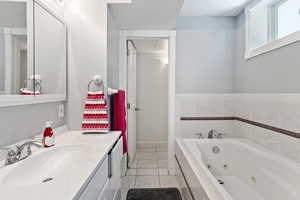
[[2, 70], [210, 59], [112, 51], [87, 57], [152, 98], [277, 71], [87, 52], [21, 122], [12, 14], [205, 56]]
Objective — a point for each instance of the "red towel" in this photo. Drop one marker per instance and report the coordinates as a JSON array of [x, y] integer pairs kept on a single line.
[[119, 116]]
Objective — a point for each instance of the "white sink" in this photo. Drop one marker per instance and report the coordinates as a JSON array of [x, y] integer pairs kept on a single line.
[[47, 165]]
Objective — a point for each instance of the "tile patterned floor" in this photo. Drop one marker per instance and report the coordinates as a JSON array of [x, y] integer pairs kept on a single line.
[[149, 170]]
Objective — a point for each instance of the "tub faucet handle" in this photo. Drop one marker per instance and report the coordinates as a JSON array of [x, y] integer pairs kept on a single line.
[[220, 135], [212, 134], [200, 135]]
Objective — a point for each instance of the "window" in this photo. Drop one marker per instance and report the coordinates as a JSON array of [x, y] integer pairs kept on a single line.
[[271, 24]]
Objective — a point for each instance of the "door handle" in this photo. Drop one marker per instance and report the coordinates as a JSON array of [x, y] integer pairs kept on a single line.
[[137, 109]]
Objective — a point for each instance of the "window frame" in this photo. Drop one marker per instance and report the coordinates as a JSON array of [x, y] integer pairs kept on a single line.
[[273, 42]]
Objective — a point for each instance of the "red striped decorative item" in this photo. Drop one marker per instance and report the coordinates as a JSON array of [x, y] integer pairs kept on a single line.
[[95, 115]]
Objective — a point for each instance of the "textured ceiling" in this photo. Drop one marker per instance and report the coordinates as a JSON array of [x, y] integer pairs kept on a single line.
[[147, 14]]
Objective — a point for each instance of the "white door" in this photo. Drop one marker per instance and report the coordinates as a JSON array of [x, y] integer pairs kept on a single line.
[[131, 99]]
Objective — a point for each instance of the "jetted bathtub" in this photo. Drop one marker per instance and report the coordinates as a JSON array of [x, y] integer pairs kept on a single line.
[[236, 169]]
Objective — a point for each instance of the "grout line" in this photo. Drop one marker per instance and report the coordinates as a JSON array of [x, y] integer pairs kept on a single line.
[[159, 181], [134, 182]]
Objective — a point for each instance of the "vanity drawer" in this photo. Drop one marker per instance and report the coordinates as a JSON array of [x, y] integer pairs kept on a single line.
[[94, 187]]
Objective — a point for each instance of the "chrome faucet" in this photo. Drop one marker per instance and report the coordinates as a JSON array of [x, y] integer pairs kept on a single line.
[[220, 135], [212, 134], [199, 135], [14, 156], [28, 144], [11, 156]]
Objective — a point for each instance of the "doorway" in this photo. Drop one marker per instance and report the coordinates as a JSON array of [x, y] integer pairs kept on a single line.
[[131, 102], [147, 89], [126, 35], [15, 60]]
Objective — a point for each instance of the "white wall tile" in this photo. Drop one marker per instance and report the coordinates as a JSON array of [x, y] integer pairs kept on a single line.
[[204, 105], [278, 110]]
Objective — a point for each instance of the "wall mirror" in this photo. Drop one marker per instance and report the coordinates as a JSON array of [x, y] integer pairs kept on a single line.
[[33, 53], [14, 63], [49, 51]]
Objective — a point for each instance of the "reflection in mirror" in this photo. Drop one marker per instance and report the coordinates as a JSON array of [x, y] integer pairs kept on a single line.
[[50, 52], [14, 68]]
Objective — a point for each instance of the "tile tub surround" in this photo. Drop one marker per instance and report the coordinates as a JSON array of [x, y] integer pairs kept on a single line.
[[254, 123], [274, 110], [213, 105]]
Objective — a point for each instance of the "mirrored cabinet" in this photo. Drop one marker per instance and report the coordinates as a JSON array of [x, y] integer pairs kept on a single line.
[[33, 52]]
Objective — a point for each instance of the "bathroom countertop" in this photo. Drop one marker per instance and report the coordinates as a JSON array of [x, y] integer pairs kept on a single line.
[[67, 185]]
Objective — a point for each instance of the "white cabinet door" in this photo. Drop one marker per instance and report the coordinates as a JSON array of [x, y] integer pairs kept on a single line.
[[105, 194], [94, 187], [116, 169]]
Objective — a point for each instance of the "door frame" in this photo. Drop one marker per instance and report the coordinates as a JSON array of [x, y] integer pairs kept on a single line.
[[154, 34], [128, 102], [10, 51]]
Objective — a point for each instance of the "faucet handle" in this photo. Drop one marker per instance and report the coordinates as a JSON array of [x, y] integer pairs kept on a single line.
[[29, 150], [220, 135], [200, 135], [212, 134], [11, 153], [12, 156], [18, 149]]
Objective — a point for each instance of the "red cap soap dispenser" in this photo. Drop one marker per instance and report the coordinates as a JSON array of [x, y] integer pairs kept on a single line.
[[48, 136]]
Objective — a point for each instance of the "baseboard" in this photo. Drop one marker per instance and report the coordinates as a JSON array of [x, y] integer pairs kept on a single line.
[[152, 142]]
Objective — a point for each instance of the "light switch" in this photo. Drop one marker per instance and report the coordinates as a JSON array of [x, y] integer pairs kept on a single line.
[[61, 111]]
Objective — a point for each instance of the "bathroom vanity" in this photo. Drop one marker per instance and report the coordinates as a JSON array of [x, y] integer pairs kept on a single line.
[[105, 181], [33, 48], [79, 167]]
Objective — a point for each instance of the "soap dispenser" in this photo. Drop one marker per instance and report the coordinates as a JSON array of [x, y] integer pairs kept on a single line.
[[48, 136]]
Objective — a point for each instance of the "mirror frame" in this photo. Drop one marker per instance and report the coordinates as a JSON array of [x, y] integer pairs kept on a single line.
[[18, 100]]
